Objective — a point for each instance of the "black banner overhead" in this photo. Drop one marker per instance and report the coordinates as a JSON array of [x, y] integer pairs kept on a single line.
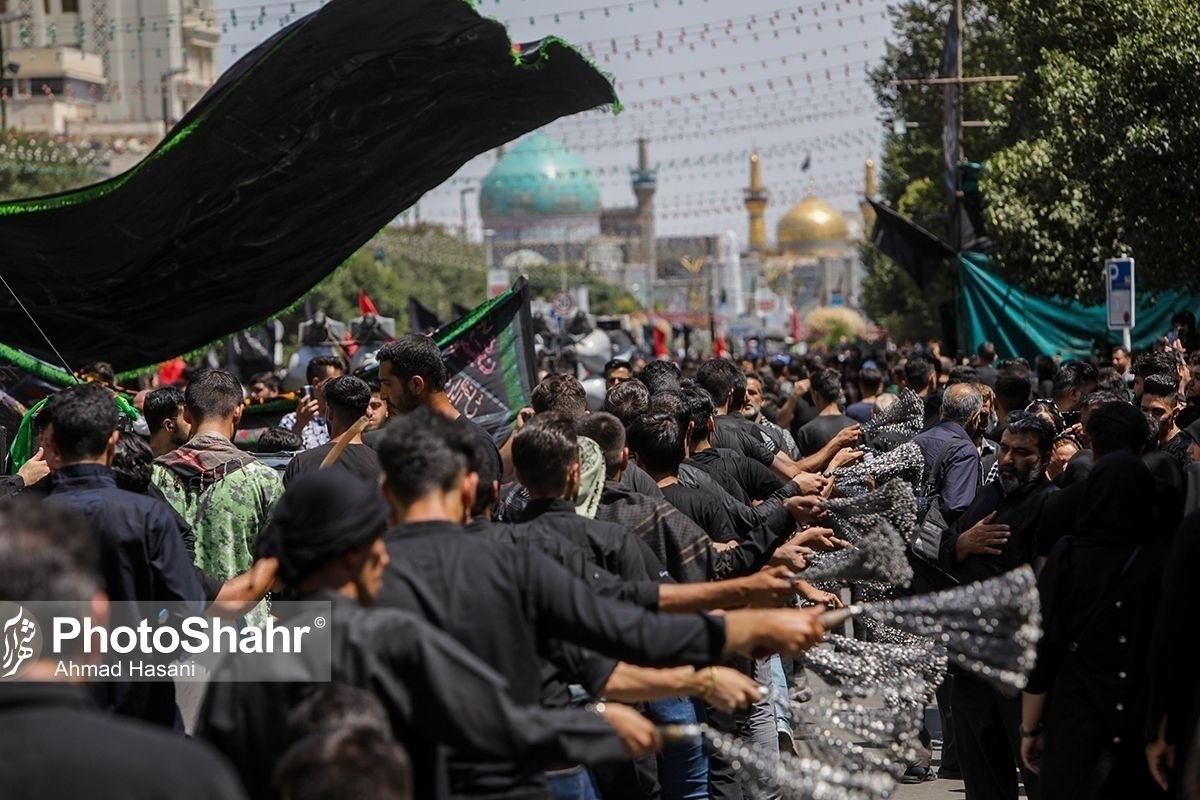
[[918, 251], [302, 151]]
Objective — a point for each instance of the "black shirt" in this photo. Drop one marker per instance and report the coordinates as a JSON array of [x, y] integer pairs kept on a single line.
[[142, 553], [613, 547], [771, 512], [635, 479], [435, 691], [501, 602], [142, 558], [55, 743], [820, 432], [358, 459], [679, 543], [702, 509], [1177, 448], [1020, 510], [734, 432], [752, 479]]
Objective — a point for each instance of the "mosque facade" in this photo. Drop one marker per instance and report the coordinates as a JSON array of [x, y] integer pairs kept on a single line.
[[541, 205]]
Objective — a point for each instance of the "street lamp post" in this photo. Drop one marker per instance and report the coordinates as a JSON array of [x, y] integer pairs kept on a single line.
[[164, 83], [5, 18], [462, 207]]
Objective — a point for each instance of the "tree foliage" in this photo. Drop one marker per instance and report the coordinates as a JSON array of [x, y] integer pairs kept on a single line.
[[423, 261], [1104, 131], [1093, 151], [913, 172]]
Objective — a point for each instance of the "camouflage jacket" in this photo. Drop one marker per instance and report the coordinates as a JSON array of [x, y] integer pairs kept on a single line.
[[227, 496]]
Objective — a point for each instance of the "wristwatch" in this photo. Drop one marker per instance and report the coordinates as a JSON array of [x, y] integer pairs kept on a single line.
[[1037, 731]]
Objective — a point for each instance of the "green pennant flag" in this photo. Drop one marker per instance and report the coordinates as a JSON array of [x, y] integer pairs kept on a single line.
[[489, 355]]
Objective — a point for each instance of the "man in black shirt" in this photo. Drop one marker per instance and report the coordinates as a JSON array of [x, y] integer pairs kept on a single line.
[[727, 385], [1161, 404], [54, 741], [546, 459], [658, 445], [588, 551], [346, 400], [141, 544], [826, 391], [921, 376], [327, 532], [412, 374], [501, 601], [996, 534], [746, 479]]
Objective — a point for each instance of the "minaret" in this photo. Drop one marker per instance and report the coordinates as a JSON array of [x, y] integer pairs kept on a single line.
[[755, 198], [868, 213], [644, 183]]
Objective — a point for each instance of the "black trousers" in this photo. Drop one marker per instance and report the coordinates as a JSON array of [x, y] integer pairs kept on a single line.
[[986, 729]]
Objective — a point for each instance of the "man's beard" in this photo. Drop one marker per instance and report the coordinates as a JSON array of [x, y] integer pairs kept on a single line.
[[750, 413], [1010, 482]]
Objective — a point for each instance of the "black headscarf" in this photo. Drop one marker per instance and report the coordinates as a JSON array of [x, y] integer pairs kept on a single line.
[[1116, 502], [322, 515]]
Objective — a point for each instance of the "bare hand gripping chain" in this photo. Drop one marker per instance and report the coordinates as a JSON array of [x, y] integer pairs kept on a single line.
[[877, 557], [905, 462]]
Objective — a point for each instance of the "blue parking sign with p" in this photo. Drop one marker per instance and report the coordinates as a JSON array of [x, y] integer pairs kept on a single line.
[[1119, 289]]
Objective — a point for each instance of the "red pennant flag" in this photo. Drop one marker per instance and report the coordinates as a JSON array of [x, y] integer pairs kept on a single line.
[[365, 306]]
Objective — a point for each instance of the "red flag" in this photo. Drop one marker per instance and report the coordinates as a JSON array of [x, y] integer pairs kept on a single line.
[[348, 343], [660, 342], [365, 306], [719, 347]]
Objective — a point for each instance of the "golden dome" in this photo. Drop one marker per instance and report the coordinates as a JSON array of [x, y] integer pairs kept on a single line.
[[811, 224]]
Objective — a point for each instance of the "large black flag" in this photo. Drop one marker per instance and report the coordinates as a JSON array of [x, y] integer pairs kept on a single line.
[[301, 152], [918, 251]]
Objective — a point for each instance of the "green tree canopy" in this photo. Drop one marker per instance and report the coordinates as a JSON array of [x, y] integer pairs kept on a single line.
[[912, 173], [1104, 131]]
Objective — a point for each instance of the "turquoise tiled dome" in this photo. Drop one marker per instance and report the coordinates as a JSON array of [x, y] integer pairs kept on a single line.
[[539, 177]]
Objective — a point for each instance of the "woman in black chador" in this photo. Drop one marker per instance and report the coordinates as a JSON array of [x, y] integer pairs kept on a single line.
[[1084, 710]]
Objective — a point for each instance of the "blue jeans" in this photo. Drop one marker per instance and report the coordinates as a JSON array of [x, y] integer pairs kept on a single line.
[[779, 683], [684, 772], [572, 784]]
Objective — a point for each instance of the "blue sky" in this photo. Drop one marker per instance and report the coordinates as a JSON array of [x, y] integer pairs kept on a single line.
[[704, 81]]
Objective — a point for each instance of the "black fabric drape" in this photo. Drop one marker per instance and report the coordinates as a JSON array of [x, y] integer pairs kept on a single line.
[[421, 318], [296, 157], [918, 251]]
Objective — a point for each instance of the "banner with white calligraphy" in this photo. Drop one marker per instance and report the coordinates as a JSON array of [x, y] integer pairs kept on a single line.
[[489, 353]]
